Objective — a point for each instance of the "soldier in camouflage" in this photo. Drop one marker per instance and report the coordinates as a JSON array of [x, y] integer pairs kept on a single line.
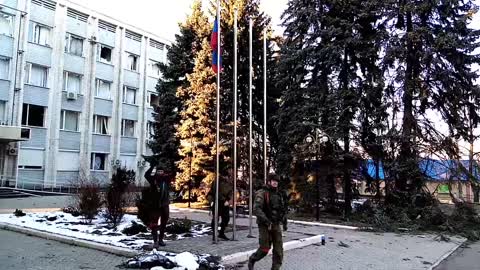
[[271, 210]]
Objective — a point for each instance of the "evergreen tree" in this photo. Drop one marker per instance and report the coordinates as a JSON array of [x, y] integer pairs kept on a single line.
[[431, 51], [180, 62]]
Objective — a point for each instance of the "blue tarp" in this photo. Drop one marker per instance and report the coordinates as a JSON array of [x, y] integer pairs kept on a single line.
[[437, 170]]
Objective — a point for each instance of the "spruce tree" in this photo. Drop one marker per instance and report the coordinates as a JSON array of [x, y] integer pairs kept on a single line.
[[180, 62]]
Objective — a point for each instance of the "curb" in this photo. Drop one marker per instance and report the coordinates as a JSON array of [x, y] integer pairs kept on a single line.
[[69, 240], [446, 255], [243, 256], [308, 223]]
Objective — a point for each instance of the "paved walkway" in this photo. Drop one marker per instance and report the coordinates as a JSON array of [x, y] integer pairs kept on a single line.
[[19, 251], [465, 258]]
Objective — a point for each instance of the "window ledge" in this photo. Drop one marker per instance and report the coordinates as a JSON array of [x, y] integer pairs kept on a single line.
[[103, 135], [43, 87], [104, 98], [41, 45], [81, 56], [129, 137], [70, 131], [136, 105], [132, 71], [5, 80], [104, 171], [34, 127], [106, 63]]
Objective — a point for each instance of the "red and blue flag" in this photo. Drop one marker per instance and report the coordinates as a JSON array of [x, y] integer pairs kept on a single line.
[[214, 44]]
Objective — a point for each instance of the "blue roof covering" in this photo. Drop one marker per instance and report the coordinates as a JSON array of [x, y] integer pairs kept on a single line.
[[437, 170]]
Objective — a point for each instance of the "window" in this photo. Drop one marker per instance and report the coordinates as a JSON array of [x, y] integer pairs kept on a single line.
[[100, 125], [152, 100], [129, 95], [69, 120], [98, 162], [154, 69], [3, 109], [6, 24], [4, 68], [33, 115], [36, 75], [74, 45], [132, 62], [31, 159], [128, 128], [39, 34], [103, 89], [150, 129], [104, 54], [72, 82]]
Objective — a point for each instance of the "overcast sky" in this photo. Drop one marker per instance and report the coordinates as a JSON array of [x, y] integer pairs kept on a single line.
[[161, 17]]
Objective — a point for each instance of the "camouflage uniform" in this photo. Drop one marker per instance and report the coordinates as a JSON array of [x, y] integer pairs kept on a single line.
[[270, 208], [225, 191]]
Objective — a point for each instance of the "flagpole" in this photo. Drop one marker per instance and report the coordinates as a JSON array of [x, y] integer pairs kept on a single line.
[[250, 180], [265, 105], [217, 165], [235, 127]]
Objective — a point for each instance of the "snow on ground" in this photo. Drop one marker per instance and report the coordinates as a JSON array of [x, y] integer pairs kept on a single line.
[[67, 225]]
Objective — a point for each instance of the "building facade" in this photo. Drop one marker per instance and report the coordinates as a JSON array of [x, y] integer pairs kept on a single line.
[[82, 85]]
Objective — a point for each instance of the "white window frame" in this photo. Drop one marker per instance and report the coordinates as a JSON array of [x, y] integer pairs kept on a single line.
[[62, 123], [95, 128], [99, 52], [66, 79], [105, 161], [28, 78], [150, 129], [130, 66], [98, 87], [151, 64], [33, 38], [125, 90], [124, 128], [68, 42], [28, 115], [12, 20], [6, 59]]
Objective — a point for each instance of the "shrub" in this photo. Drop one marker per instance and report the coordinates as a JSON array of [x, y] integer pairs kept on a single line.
[[134, 229], [178, 226], [116, 197], [89, 200], [19, 213]]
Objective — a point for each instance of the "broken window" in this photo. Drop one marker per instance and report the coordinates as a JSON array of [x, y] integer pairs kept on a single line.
[[100, 124], [105, 54], [98, 161], [33, 115], [132, 62]]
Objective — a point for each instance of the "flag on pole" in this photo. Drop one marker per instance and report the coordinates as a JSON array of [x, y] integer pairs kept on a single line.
[[214, 44]]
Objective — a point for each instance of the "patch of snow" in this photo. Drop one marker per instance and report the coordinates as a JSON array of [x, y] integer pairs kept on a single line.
[[186, 260]]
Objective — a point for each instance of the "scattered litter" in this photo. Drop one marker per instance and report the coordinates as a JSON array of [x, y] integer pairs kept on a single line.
[[342, 244]]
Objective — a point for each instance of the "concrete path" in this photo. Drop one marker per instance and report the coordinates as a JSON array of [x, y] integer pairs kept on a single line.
[[31, 204], [466, 257], [19, 251]]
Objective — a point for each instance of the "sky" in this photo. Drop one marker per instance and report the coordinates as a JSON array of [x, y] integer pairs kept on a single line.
[[161, 17]]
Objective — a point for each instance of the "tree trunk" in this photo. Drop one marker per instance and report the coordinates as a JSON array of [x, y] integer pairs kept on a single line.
[[406, 153]]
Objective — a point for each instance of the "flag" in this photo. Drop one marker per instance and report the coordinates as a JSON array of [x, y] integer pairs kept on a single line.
[[214, 44]]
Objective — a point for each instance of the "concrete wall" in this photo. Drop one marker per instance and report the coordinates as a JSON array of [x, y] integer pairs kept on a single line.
[[7, 46]]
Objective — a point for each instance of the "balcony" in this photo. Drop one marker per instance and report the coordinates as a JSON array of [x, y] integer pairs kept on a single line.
[[14, 134]]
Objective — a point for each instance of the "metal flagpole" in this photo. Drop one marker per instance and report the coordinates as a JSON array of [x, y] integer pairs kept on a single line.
[[265, 105], [250, 180], [235, 125], [217, 165]]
